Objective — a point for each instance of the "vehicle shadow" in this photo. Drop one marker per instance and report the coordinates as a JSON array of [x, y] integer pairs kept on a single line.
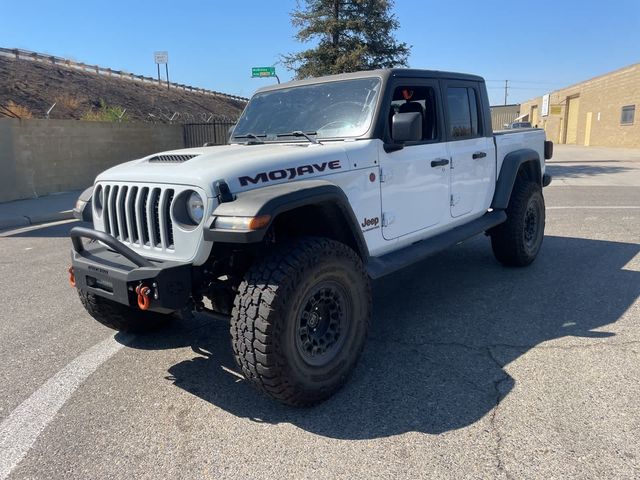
[[583, 170], [442, 333]]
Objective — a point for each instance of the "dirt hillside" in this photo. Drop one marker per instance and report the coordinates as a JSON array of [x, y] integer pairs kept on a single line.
[[30, 88]]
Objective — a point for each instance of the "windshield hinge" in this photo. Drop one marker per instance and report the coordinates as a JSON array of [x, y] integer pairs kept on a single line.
[[223, 194]]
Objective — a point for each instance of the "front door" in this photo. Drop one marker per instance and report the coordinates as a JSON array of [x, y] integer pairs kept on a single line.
[[415, 179]]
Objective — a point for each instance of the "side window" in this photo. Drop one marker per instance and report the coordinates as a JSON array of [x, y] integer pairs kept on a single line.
[[462, 107], [627, 114], [420, 99]]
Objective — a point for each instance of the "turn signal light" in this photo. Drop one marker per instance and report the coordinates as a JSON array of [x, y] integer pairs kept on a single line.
[[242, 223], [72, 277], [257, 223]]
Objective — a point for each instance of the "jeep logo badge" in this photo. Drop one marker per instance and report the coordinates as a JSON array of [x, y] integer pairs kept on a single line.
[[370, 223]]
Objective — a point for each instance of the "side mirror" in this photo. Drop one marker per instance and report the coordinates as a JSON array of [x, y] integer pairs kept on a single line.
[[406, 127]]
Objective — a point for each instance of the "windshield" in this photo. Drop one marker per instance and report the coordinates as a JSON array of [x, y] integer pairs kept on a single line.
[[331, 109]]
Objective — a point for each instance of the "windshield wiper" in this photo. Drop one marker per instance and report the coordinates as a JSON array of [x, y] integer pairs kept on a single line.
[[299, 133], [251, 135]]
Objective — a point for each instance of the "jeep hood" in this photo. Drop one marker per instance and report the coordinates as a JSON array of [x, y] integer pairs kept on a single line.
[[243, 167]]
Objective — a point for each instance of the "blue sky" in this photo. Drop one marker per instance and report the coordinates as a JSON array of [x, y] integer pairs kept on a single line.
[[538, 45]]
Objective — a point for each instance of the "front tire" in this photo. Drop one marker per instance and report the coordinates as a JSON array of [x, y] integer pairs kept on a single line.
[[517, 241], [300, 320], [121, 317]]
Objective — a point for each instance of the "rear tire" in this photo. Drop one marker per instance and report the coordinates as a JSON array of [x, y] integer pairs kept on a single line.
[[300, 320], [121, 317], [517, 241]]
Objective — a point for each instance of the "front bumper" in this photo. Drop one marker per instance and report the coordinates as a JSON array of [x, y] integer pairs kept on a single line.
[[109, 269]]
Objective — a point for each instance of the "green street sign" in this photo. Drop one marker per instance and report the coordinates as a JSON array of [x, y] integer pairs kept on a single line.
[[263, 72]]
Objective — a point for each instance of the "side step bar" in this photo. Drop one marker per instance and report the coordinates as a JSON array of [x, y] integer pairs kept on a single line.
[[380, 266]]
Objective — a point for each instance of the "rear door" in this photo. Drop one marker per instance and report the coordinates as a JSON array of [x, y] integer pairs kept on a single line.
[[470, 146], [415, 179], [573, 105]]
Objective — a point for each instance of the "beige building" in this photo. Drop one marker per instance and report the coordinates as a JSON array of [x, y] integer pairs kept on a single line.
[[502, 115], [600, 111]]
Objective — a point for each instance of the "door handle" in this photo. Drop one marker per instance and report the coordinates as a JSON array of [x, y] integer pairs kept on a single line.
[[441, 162], [477, 155]]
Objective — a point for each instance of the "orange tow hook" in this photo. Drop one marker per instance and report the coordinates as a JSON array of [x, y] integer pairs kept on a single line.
[[143, 297], [72, 277]]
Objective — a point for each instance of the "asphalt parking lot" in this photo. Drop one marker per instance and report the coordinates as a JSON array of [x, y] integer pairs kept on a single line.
[[472, 370]]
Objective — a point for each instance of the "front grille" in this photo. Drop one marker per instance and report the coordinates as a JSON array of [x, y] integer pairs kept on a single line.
[[139, 216], [171, 158]]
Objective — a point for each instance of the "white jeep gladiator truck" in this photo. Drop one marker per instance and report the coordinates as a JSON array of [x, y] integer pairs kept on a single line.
[[326, 184]]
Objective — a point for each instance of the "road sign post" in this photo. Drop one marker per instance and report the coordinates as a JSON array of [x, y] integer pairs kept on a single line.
[[162, 58], [264, 72]]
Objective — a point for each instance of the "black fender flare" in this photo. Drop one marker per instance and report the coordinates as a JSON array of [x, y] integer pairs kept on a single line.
[[276, 199], [509, 172], [82, 210]]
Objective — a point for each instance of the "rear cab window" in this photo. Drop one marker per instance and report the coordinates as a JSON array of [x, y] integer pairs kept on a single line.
[[463, 119]]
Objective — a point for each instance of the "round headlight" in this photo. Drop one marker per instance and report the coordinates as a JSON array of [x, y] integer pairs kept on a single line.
[[195, 207]]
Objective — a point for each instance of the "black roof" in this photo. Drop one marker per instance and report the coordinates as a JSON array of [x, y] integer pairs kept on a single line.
[[384, 74]]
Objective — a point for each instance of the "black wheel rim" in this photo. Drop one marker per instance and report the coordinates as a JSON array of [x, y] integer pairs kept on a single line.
[[532, 226], [323, 323]]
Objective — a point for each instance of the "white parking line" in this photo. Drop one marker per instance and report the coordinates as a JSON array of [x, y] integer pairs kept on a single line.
[[19, 431], [31, 228]]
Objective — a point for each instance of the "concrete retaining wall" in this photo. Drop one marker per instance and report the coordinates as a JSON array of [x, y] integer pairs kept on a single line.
[[39, 157]]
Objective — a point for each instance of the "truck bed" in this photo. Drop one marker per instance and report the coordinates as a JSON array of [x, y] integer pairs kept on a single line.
[[507, 141]]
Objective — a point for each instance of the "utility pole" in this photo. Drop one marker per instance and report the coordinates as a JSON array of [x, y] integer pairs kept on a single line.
[[506, 88]]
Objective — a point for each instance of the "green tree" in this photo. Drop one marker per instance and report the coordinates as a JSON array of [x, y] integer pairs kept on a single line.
[[351, 35]]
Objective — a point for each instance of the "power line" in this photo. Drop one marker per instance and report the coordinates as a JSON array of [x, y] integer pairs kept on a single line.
[[514, 88], [524, 81], [506, 87]]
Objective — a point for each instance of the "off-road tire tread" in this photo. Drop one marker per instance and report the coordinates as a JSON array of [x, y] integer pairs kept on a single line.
[[254, 331], [121, 317], [506, 238]]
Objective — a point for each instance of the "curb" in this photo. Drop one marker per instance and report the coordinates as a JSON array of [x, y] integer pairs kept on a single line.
[[24, 221]]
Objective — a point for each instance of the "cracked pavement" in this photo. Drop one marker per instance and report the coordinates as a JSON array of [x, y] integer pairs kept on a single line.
[[471, 370]]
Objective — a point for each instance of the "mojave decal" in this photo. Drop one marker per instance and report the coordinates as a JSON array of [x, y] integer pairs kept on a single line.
[[289, 173]]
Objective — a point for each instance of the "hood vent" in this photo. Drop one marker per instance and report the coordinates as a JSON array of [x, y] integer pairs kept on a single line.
[[170, 158]]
